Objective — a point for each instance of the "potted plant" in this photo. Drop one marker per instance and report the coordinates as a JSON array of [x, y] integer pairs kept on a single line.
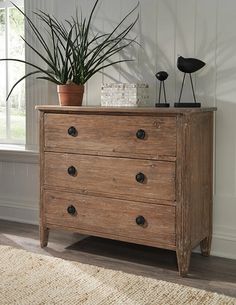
[[72, 53]]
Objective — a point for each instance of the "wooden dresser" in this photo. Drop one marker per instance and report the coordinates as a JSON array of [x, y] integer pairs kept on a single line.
[[141, 175]]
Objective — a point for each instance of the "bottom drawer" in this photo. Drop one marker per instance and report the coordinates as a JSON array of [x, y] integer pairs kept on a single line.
[[148, 224]]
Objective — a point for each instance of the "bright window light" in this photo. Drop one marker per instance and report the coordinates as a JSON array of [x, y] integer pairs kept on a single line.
[[12, 112]]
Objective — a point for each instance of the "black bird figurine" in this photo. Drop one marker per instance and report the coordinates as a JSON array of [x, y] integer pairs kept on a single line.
[[162, 76], [188, 65]]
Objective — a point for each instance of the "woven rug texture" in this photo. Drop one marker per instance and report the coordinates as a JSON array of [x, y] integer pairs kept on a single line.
[[31, 279]]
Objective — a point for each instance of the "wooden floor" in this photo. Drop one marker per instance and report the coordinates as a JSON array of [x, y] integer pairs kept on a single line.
[[209, 273]]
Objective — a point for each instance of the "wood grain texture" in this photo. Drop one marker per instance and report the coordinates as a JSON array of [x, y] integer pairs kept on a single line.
[[43, 231], [194, 186], [117, 218], [111, 177], [140, 111], [200, 183], [176, 159], [183, 240], [111, 134]]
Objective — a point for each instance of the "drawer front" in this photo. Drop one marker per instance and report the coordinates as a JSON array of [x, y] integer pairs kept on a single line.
[[149, 137], [111, 216], [107, 176]]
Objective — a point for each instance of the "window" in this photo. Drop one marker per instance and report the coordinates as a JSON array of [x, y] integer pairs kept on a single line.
[[12, 112]]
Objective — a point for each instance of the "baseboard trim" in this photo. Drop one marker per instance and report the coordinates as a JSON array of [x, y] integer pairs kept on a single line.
[[32, 221], [224, 242], [26, 211]]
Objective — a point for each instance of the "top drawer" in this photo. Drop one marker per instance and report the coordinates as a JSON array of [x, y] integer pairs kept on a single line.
[[133, 136]]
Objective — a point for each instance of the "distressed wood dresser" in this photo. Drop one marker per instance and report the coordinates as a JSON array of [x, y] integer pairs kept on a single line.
[[141, 175]]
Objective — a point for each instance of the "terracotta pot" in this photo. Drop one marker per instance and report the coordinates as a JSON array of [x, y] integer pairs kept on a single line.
[[70, 95]]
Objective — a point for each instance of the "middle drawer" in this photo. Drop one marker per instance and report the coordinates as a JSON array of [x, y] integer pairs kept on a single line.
[[117, 177]]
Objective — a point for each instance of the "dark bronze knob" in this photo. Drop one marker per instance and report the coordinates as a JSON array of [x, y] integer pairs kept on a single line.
[[140, 177], [71, 210], [140, 220], [140, 134], [72, 171], [72, 131]]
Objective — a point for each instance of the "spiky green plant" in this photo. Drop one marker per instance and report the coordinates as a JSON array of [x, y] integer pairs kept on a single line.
[[72, 53]]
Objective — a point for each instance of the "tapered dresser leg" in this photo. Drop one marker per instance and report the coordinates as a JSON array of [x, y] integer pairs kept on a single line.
[[44, 233], [205, 246], [183, 259]]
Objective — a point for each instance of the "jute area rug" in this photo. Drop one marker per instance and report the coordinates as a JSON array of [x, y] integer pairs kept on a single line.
[[31, 279]]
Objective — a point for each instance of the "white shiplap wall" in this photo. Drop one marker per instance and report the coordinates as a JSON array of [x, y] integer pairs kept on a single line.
[[166, 29], [19, 190]]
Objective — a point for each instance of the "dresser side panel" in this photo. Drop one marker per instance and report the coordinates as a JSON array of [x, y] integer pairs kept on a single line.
[[183, 221], [201, 176], [43, 230]]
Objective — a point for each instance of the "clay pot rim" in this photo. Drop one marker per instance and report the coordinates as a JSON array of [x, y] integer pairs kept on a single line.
[[71, 84], [70, 87]]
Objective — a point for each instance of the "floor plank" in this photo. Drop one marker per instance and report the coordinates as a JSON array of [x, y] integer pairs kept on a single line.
[[209, 273]]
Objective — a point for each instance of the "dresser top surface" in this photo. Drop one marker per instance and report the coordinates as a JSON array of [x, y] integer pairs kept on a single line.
[[122, 110]]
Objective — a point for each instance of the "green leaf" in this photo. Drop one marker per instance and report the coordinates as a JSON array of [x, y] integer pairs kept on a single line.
[[21, 79], [71, 50]]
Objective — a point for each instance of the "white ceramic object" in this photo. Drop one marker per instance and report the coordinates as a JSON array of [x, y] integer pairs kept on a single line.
[[124, 94]]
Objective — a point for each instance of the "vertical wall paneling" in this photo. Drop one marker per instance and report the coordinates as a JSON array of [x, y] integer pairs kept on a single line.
[[94, 84], [148, 51], [83, 7], [185, 41], [225, 121], [129, 71], [206, 49], [37, 91], [205, 46], [111, 17], [19, 184], [166, 44], [226, 103]]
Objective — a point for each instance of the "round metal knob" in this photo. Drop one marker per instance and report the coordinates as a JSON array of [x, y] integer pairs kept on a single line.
[[140, 220], [72, 131], [140, 177], [72, 171], [71, 210], [140, 134]]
